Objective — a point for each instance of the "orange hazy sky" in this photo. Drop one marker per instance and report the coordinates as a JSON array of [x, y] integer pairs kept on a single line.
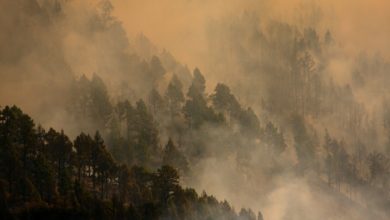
[[179, 25]]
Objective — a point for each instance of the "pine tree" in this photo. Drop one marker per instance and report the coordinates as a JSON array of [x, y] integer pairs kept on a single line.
[[156, 102], [273, 139], [60, 150], [173, 157], [146, 138], [174, 96], [157, 70], [224, 100], [165, 184], [196, 110]]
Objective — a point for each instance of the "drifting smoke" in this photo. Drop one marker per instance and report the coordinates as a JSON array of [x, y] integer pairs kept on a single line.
[[235, 42], [45, 46]]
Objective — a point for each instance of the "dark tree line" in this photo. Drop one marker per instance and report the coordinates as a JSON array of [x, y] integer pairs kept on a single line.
[[43, 174]]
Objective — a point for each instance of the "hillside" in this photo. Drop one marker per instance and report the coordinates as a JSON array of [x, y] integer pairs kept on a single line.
[[281, 121]]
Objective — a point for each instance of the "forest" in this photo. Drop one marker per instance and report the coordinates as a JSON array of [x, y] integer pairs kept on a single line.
[[277, 120], [45, 175]]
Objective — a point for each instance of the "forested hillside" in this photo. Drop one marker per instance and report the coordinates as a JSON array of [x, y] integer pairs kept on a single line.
[[45, 175], [280, 121]]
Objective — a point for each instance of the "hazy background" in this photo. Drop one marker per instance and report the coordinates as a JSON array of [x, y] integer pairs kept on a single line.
[[44, 50], [180, 25], [185, 28]]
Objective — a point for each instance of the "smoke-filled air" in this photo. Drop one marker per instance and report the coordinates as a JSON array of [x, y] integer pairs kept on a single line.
[[195, 109]]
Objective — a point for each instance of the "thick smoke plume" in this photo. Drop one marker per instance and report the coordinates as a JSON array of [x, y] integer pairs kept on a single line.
[[308, 77]]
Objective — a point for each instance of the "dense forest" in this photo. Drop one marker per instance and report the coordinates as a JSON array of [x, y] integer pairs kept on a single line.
[[45, 175], [126, 131]]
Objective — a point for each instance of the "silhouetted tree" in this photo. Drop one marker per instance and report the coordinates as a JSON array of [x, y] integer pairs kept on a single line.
[[196, 110], [165, 184], [157, 70], [60, 150], [224, 100], [273, 139], [303, 143], [174, 96], [173, 157], [156, 102], [146, 137]]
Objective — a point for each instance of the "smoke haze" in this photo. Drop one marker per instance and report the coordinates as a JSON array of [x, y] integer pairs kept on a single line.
[[312, 68], [180, 25]]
